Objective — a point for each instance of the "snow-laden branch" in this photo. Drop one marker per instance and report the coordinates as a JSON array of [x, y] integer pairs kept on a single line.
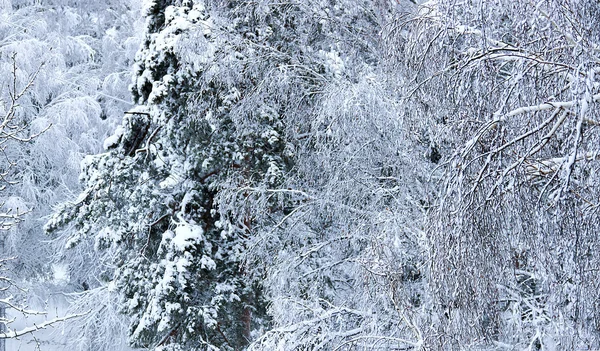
[[543, 168], [519, 111], [17, 333], [545, 107], [8, 302]]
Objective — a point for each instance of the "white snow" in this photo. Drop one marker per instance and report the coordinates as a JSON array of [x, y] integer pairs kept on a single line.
[[186, 235]]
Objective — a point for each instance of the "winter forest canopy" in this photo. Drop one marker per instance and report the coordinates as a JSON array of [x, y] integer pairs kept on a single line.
[[300, 175]]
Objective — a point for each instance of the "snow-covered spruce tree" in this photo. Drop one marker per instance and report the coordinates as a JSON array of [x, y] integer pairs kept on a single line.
[[210, 110], [514, 235]]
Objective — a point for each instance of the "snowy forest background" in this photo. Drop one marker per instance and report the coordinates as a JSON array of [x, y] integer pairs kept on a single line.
[[299, 175]]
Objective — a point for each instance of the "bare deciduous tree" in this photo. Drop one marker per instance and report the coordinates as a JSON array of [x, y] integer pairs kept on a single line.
[[512, 86]]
